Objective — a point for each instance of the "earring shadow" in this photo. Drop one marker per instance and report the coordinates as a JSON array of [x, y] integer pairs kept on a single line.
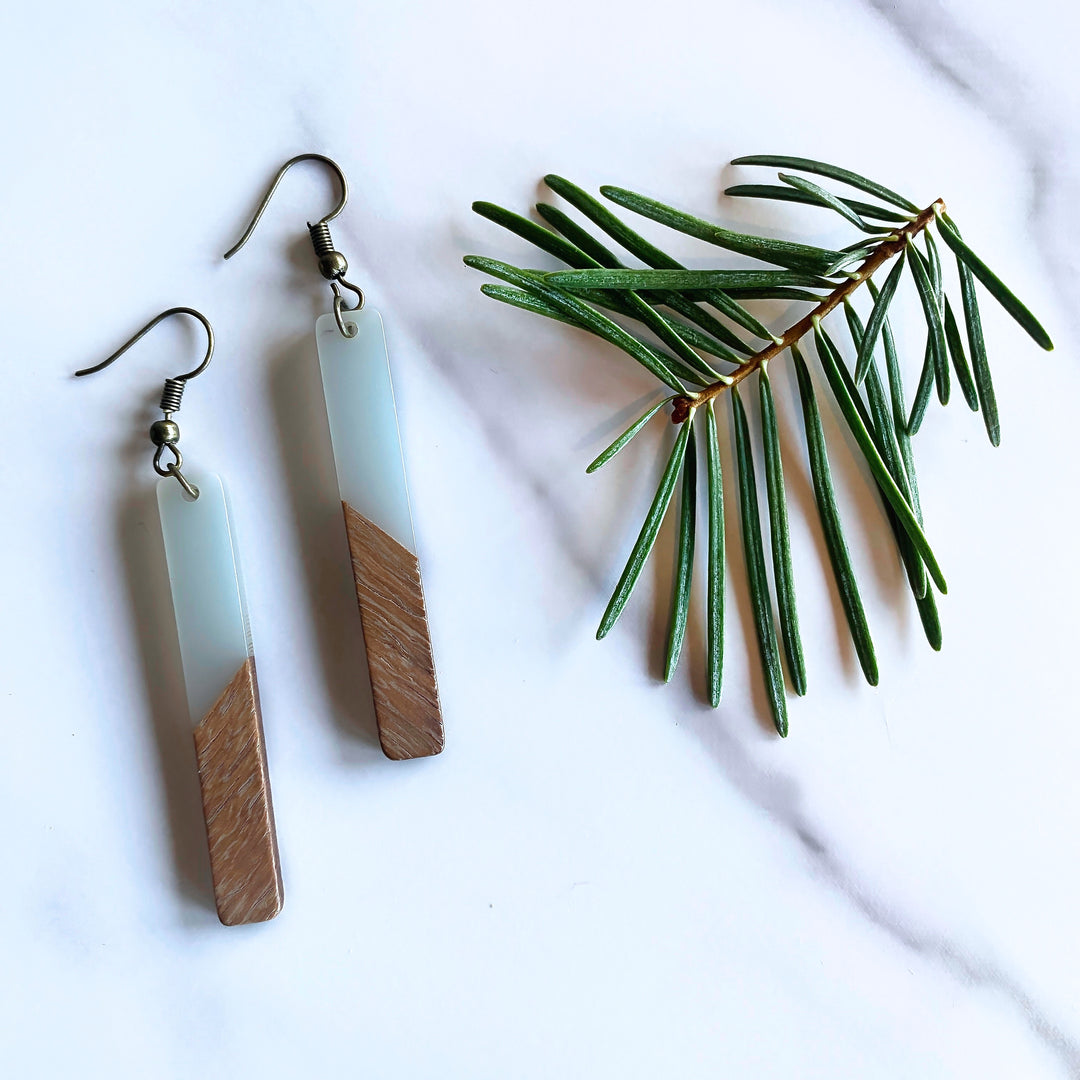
[[308, 466], [150, 601]]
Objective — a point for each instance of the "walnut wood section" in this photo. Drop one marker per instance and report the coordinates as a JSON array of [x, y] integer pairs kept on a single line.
[[237, 807], [391, 598]]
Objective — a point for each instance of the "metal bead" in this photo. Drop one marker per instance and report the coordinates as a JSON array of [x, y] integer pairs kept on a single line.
[[332, 265], [164, 432]]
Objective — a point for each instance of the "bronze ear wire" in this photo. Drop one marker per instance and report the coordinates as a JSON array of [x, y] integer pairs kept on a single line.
[[165, 433], [332, 264]]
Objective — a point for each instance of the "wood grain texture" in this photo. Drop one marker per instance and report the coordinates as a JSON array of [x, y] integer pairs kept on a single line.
[[391, 598], [237, 806]]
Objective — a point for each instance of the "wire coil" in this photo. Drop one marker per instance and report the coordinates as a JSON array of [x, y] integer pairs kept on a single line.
[[171, 395], [321, 239]]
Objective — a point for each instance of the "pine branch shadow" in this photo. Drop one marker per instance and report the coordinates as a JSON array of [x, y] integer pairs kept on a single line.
[[586, 370]]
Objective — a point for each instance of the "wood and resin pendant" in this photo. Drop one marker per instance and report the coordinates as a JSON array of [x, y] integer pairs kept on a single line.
[[223, 698], [375, 500]]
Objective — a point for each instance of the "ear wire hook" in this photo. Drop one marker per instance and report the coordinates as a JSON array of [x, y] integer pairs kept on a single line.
[[333, 165], [165, 433], [146, 330], [332, 264]]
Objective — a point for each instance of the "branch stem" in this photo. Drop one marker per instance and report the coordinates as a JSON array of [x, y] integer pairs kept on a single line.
[[881, 255]]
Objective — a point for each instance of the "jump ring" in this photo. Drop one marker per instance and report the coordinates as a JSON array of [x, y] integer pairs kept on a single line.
[[347, 329], [186, 484], [173, 468], [177, 462]]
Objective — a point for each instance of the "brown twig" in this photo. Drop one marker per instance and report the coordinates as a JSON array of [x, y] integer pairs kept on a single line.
[[683, 406]]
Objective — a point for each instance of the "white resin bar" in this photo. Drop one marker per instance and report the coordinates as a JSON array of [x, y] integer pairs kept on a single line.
[[207, 592], [363, 422]]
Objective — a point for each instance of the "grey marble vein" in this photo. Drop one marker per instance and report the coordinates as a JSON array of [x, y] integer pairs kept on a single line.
[[939, 949], [1045, 136], [782, 799]]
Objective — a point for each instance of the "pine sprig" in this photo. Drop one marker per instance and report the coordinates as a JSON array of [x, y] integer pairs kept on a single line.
[[696, 319]]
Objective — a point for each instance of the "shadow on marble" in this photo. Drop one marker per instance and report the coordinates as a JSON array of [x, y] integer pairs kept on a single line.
[[463, 348]]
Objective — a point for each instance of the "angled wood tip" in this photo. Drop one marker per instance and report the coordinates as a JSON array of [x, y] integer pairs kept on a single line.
[[403, 681], [237, 806]]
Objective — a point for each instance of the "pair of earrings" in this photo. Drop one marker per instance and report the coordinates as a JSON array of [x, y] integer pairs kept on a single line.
[[208, 600]]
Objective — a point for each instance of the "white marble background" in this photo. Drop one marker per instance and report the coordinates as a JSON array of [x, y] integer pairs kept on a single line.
[[601, 877]]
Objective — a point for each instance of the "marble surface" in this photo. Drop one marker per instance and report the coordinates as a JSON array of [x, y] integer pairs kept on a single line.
[[601, 876]]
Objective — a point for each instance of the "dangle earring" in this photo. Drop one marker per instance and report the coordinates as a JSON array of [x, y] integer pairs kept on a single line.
[[218, 662], [371, 479]]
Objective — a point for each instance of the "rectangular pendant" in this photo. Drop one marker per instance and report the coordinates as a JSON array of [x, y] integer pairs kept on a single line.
[[223, 698], [375, 500]]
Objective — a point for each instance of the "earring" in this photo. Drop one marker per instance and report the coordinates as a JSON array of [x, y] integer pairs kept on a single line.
[[218, 662], [371, 479]]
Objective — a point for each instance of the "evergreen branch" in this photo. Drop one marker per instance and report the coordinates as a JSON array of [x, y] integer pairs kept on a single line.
[[881, 254], [876, 415]]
